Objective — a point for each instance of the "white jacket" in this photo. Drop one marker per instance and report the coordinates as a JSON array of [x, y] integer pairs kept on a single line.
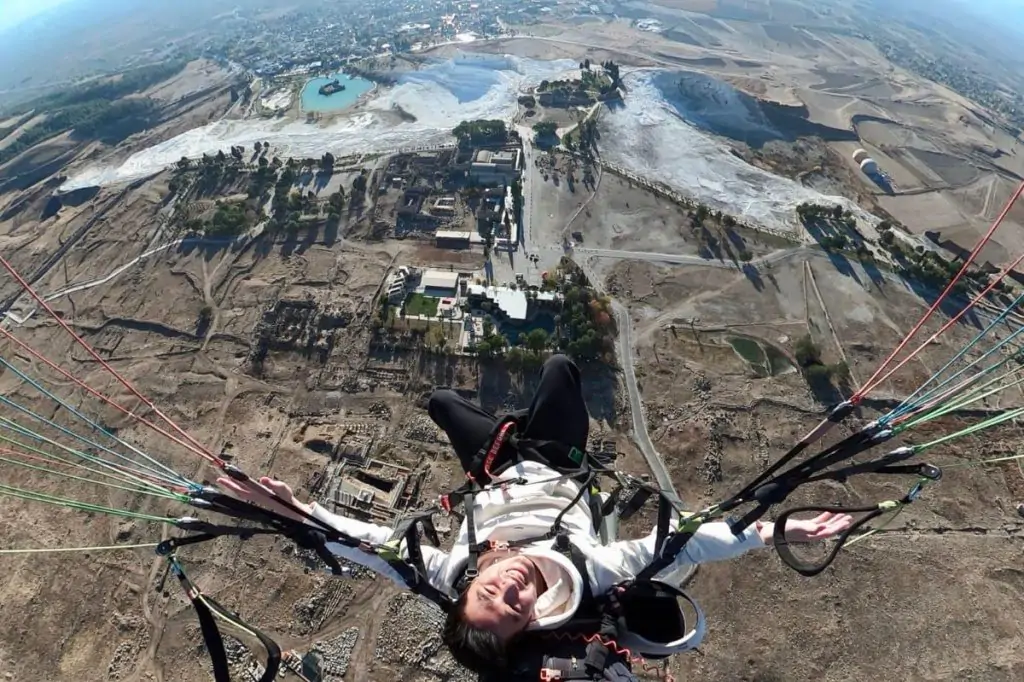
[[529, 510]]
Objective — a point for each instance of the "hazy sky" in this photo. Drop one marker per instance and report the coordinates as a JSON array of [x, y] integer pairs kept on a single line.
[[13, 12]]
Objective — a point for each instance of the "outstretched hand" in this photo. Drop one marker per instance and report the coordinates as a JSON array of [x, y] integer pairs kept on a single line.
[[269, 494], [821, 527]]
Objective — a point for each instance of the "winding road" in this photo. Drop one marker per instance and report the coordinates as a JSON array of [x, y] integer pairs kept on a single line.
[[636, 407]]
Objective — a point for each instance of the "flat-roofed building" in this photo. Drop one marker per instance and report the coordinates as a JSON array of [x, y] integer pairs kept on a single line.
[[452, 239], [440, 283], [495, 166]]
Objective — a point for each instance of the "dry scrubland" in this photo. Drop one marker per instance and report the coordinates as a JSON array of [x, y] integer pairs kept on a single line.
[[148, 323], [952, 165], [937, 597]]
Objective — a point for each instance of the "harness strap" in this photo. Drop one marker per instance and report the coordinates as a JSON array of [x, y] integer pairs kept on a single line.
[[472, 566], [566, 548], [206, 608], [413, 568], [310, 538]]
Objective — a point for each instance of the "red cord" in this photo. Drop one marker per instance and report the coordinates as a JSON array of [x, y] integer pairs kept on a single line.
[[200, 449], [492, 451], [877, 377], [92, 391], [663, 673]]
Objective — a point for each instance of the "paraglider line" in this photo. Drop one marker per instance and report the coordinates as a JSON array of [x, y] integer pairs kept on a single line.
[[124, 410], [880, 374], [106, 365]]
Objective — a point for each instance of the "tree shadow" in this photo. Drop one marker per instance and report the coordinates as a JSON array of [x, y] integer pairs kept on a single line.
[[331, 231], [823, 232], [304, 178], [754, 276], [208, 247], [951, 306], [873, 273], [714, 245], [736, 239], [823, 390], [322, 179], [264, 246], [309, 238]]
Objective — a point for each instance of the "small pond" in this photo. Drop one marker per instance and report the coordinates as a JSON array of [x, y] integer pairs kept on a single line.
[[764, 359]]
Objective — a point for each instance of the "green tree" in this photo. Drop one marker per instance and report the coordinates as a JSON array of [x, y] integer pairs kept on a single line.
[[516, 359], [841, 372], [537, 340], [806, 352], [336, 201]]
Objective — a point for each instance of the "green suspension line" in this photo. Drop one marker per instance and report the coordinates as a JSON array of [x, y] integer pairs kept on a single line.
[[140, 491], [18, 428], [80, 506], [144, 486]]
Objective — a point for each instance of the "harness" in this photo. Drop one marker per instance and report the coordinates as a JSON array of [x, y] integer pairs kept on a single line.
[[607, 628]]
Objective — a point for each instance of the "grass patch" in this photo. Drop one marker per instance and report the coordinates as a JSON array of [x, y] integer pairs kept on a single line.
[[418, 304]]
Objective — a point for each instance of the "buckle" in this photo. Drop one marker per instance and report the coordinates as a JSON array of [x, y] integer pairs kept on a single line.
[[548, 674], [498, 546], [446, 504]]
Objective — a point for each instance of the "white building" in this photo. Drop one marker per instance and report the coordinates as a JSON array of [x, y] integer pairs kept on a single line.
[[491, 166], [439, 283], [511, 302], [452, 239], [396, 286]]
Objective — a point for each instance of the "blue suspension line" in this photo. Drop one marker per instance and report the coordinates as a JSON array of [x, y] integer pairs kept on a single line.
[[94, 425], [909, 407], [909, 403], [175, 477]]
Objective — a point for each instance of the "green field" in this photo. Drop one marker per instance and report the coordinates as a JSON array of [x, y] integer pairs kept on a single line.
[[418, 304]]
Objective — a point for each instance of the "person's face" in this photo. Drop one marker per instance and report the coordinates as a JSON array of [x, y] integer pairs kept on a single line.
[[502, 597]]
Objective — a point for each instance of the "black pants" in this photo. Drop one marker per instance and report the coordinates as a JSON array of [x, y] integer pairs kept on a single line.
[[557, 413]]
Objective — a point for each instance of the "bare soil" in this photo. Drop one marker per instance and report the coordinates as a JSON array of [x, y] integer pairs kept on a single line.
[[717, 425]]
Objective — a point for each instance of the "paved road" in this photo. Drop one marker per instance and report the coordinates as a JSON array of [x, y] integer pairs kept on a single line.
[[812, 251], [636, 407]]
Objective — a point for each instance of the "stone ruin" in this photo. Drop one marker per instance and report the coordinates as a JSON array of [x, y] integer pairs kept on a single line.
[[297, 325]]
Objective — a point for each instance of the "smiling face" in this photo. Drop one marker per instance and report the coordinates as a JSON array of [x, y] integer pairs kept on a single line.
[[502, 597]]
